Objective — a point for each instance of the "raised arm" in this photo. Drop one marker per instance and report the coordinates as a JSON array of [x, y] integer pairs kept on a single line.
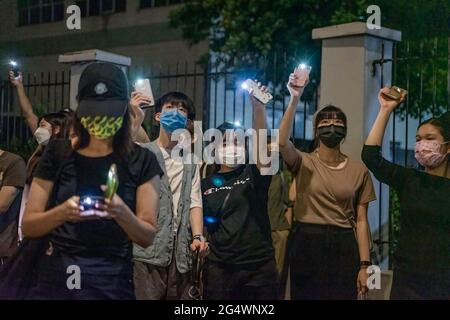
[[383, 170], [387, 106], [288, 151], [259, 123], [138, 133], [24, 102]]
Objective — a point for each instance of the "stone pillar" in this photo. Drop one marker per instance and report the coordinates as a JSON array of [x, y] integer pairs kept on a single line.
[[347, 81]]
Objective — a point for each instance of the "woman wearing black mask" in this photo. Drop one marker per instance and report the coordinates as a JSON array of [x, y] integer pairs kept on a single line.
[[333, 192]]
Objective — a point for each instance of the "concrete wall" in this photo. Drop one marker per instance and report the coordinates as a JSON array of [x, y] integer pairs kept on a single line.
[[143, 35]]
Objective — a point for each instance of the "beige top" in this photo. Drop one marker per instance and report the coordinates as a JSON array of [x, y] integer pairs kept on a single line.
[[327, 195], [175, 170]]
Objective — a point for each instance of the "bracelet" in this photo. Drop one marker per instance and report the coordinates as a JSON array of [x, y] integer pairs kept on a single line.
[[199, 237], [364, 264]]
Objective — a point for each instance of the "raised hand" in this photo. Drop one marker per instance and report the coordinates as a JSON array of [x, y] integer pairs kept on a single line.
[[296, 91], [389, 104], [16, 81], [255, 102]]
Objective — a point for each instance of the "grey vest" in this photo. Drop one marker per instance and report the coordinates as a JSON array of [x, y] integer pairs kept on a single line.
[[169, 230]]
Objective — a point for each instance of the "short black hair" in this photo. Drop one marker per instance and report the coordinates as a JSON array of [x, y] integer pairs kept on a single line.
[[177, 98]]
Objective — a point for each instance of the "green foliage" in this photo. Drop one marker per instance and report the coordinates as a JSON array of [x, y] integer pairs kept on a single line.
[[417, 19], [249, 33], [422, 69], [246, 30]]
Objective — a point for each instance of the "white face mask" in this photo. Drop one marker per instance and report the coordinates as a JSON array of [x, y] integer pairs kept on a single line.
[[42, 136], [232, 156]]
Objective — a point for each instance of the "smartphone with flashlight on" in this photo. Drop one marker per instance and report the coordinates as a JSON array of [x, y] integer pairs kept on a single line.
[[14, 67], [143, 86], [92, 206], [250, 85], [302, 74]]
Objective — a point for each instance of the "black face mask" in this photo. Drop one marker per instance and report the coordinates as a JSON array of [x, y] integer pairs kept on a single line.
[[331, 136]]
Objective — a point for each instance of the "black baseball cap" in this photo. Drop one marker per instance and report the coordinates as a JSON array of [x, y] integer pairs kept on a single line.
[[102, 91]]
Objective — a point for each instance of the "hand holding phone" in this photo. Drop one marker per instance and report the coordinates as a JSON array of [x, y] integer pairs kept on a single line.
[[143, 86], [301, 76], [395, 93], [14, 68], [261, 96], [92, 206]]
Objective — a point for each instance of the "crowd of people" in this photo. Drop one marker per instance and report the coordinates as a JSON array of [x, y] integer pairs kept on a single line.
[[305, 227]]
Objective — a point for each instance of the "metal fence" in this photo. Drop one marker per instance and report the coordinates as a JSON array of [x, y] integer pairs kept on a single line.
[[214, 89], [419, 67], [218, 97], [48, 92], [422, 68]]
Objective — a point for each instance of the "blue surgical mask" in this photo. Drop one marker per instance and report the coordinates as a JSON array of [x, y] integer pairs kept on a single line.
[[173, 120]]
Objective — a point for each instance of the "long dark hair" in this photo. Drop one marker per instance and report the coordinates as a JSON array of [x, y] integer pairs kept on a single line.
[[328, 112], [122, 142], [64, 121]]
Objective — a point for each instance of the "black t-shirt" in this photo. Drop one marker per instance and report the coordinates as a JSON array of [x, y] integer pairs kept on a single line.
[[235, 211], [98, 246], [422, 257]]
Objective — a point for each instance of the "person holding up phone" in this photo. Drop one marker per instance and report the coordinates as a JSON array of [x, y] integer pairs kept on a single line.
[[55, 125], [162, 271], [100, 248], [332, 196], [422, 258], [241, 265], [137, 113]]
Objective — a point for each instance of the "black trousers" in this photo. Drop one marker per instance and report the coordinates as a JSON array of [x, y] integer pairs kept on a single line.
[[324, 263], [410, 284], [241, 282], [51, 284]]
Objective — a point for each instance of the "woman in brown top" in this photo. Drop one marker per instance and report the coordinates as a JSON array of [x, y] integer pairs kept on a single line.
[[333, 192]]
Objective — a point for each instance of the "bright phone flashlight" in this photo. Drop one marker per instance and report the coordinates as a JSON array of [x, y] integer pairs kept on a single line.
[[302, 66], [244, 85], [140, 82], [237, 123], [13, 63]]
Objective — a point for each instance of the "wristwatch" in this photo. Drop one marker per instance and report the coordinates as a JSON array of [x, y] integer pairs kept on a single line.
[[364, 264]]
